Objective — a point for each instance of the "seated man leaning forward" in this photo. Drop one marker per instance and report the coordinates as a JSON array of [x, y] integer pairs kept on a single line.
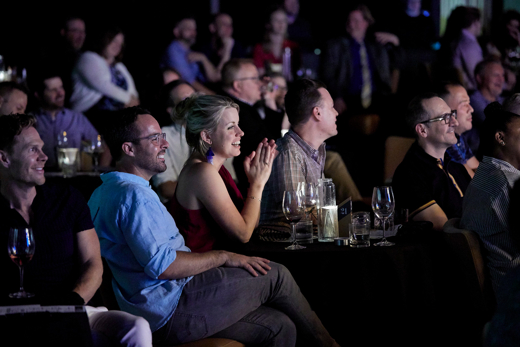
[[186, 296], [66, 268], [207, 206], [427, 182], [311, 112]]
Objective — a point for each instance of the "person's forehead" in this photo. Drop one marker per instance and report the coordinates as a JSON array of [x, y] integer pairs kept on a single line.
[[325, 95], [436, 106], [224, 19], [75, 24], [279, 81], [248, 69], [229, 115], [182, 91], [458, 93], [187, 23], [356, 14], [146, 125], [52, 82], [493, 68], [17, 95], [27, 136]]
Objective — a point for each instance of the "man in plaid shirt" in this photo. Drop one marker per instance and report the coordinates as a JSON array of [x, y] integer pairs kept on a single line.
[[301, 158]]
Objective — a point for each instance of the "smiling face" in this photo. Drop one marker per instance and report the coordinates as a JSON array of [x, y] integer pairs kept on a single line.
[[328, 113], [53, 94], [148, 153], [223, 26], [186, 31], [492, 80], [74, 33], [278, 22], [225, 140], [438, 134], [357, 25], [458, 99], [13, 103], [26, 158], [113, 49]]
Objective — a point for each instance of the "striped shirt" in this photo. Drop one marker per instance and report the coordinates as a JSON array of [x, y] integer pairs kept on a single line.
[[485, 211], [296, 162]]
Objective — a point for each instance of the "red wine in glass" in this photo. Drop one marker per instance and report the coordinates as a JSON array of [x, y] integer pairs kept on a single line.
[[20, 247]]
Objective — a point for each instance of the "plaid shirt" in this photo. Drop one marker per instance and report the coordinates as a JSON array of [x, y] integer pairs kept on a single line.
[[296, 162]]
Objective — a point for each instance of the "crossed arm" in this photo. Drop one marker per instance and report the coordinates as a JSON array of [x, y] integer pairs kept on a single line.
[[91, 269]]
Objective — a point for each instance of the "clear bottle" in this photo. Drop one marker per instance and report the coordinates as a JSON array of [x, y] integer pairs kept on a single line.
[[328, 226]]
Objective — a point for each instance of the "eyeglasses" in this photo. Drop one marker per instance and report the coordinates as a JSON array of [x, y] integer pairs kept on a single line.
[[445, 117], [154, 137], [248, 78]]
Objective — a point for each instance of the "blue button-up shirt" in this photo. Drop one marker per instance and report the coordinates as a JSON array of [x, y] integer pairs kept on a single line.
[[139, 240], [176, 57]]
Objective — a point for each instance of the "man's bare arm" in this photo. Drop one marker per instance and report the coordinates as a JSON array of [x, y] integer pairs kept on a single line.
[[91, 269], [190, 264], [434, 214]]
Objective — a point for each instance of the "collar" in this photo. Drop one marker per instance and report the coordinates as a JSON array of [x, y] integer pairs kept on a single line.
[[307, 149], [45, 113], [118, 176], [421, 153]]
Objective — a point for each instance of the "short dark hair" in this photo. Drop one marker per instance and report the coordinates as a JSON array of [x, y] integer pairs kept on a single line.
[[68, 19], [36, 79], [231, 69], [11, 126], [442, 89], [6, 88], [301, 98], [165, 97], [121, 129], [416, 112], [497, 119], [481, 66]]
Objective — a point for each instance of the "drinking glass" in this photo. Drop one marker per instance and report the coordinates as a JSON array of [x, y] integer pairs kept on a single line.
[[294, 210], [95, 149], [309, 194], [21, 250], [383, 204]]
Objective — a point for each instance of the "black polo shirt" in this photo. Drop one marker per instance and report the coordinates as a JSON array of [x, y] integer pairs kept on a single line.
[[59, 212], [422, 180]]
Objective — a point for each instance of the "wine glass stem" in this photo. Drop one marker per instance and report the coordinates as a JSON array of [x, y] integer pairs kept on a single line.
[[384, 225], [21, 278], [293, 225]]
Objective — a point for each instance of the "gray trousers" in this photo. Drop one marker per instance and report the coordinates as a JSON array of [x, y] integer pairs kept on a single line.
[[268, 310]]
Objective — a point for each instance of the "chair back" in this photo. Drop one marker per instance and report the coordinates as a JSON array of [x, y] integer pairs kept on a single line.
[[395, 150], [469, 267]]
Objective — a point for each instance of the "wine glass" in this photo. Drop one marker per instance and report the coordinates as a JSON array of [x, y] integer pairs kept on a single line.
[[294, 210], [383, 204], [309, 194], [95, 149], [21, 250]]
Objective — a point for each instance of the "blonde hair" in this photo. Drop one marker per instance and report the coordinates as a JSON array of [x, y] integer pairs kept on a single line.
[[199, 113]]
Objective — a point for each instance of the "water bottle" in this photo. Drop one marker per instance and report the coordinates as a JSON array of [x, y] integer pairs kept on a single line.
[[286, 65], [328, 226]]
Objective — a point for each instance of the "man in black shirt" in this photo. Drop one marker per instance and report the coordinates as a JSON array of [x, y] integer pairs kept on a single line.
[[427, 183], [66, 268]]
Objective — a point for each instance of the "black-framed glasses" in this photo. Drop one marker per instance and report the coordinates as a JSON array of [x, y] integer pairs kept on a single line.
[[445, 117], [248, 78], [153, 137]]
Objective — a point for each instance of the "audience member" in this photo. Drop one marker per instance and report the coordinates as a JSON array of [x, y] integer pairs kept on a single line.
[[101, 82], [459, 46], [208, 208], [357, 70], [180, 57], [241, 82], [457, 99], [506, 41], [54, 119], [222, 46], [489, 75], [66, 268], [427, 182], [268, 55], [156, 275], [13, 98], [299, 29], [486, 204], [301, 157]]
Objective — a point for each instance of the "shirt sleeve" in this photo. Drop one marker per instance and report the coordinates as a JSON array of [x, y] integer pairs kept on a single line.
[[176, 59], [93, 71], [83, 221], [151, 234]]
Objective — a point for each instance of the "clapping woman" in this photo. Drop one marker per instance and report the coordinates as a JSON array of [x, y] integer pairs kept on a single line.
[[207, 206]]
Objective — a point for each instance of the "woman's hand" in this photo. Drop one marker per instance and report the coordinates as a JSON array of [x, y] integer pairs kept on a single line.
[[258, 164]]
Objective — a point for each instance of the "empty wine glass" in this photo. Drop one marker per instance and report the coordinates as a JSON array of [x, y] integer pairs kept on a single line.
[[309, 194], [294, 210], [21, 250], [95, 149], [383, 204]]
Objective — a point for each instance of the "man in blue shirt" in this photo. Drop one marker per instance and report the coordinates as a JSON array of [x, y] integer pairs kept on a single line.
[[183, 295]]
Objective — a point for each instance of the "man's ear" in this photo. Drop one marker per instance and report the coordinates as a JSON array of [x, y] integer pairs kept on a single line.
[[128, 149], [176, 32], [212, 28], [499, 136], [478, 78], [316, 113], [237, 86], [4, 159], [421, 130]]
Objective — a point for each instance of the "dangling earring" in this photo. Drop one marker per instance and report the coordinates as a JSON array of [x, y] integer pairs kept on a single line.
[[209, 155], [502, 143]]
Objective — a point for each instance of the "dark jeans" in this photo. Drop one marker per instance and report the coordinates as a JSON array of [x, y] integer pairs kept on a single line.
[[268, 310]]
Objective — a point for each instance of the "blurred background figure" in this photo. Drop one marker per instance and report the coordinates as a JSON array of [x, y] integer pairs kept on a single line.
[[275, 48], [460, 51], [101, 82], [13, 98]]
